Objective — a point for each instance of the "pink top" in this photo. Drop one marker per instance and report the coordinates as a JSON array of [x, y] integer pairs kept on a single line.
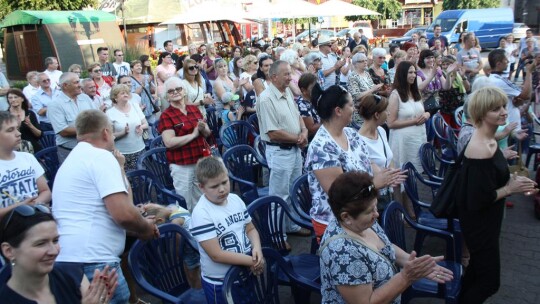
[[169, 71]]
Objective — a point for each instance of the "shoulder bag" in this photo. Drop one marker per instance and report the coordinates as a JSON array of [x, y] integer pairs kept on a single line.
[[155, 108], [444, 204]]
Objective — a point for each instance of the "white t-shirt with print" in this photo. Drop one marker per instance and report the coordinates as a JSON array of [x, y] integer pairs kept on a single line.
[[225, 222], [18, 178]]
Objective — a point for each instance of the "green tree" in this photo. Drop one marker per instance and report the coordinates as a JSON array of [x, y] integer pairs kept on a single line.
[[389, 9], [7, 6], [468, 4]]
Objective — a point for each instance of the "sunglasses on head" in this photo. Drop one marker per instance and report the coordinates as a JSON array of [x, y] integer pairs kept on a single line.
[[175, 90], [193, 68], [26, 211], [363, 193]]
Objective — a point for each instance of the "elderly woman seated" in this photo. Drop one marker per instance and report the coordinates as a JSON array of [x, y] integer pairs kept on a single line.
[[357, 259]]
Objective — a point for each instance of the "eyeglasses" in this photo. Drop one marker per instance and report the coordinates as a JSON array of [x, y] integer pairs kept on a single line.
[[46, 80], [381, 57], [363, 193], [175, 90], [26, 211], [193, 68], [97, 71], [377, 98]]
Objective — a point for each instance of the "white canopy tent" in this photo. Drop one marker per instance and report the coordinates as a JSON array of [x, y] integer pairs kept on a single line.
[[341, 8], [208, 11]]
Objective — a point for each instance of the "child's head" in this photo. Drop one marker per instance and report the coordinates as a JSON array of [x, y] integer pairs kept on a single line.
[[10, 137], [213, 179], [229, 99]]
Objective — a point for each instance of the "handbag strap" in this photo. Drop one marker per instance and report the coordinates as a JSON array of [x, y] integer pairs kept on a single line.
[[145, 90], [361, 242], [384, 149]]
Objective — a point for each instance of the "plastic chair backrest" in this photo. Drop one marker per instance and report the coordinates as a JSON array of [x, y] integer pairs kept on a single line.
[[153, 128], [48, 158], [393, 224], [242, 162], [158, 265], [213, 120], [267, 215], [301, 199], [411, 187], [143, 186], [254, 122], [458, 116], [237, 132], [155, 161], [260, 146], [157, 142], [48, 139], [432, 163], [242, 286]]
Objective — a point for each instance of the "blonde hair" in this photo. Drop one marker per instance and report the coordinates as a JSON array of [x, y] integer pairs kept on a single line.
[[159, 211], [247, 61], [117, 89], [399, 54], [208, 168], [359, 48], [484, 100], [91, 122], [198, 77]]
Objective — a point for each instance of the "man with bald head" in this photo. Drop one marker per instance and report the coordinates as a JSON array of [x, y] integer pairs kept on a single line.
[[63, 111]]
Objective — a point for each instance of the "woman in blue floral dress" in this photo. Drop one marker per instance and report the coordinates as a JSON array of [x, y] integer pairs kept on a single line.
[[336, 149], [357, 259]]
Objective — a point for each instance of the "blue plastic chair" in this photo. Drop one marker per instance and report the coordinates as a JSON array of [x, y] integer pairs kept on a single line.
[[48, 158], [237, 132], [155, 161], [214, 123], [5, 274], [157, 142], [458, 116], [260, 147], [254, 122], [153, 128], [145, 189], [421, 208], [393, 219], [48, 139], [268, 215], [434, 165], [244, 166], [158, 267], [301, 199], [446, 135], [241, 286]]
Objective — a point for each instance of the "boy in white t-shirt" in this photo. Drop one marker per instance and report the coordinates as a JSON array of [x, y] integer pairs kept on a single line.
[[22, 179], [221, 224]]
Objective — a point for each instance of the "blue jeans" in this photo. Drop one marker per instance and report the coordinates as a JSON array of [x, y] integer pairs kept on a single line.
[[121, 295]]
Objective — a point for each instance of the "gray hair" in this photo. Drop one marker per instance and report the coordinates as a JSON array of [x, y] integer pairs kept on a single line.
[[172, 82], [275, 67], [358, 57], [289, 56], [66, 77], [49, 60], [481, 82], [84, 81], [377, 52], [310, 57]]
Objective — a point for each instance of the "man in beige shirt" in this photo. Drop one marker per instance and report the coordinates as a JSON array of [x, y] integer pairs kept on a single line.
[[284, 132]]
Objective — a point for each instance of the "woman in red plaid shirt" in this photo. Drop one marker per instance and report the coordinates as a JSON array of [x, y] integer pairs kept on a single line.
[[183, 130]]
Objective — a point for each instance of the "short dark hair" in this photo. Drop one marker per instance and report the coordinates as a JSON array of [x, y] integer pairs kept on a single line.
[[15, 233], [436, 26], [209, 167], [102, 48], [423, 55], [393, 48], [117, 50], [306, 80], [196, 57], [345, 194], [166, 42], [121, 77], [325, 101], [497, 55], [6, 116]]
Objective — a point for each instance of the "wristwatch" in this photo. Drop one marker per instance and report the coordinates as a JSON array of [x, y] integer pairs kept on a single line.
[[201, 102]]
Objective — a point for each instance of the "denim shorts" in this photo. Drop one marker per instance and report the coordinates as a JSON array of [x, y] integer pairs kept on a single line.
[[213, 292], [192, 259]]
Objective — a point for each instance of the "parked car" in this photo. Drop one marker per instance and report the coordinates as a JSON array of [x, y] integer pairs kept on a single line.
[[520, 30], [489, 24], [303, 37], [368, 32], [407, 36]]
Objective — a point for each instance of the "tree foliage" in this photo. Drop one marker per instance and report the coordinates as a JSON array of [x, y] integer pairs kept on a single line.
[[8, 6], [312, 20], [469, 4], [389, 9]]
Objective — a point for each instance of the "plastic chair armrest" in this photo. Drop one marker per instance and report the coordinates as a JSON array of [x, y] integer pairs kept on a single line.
[[168, 194], [244, 182]]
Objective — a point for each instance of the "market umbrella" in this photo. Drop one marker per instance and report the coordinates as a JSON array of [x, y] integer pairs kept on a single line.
[[283, 9], [341, 8]]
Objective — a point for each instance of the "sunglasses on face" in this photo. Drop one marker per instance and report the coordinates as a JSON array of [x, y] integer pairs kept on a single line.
[[193, 68], [26, 211], [175, 90], [97, 71]]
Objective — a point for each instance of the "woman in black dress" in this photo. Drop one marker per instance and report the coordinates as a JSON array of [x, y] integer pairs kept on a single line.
[[485, 182], [29, 124]]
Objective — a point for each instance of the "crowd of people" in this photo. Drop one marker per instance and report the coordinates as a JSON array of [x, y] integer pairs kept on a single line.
[[349, 115]]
